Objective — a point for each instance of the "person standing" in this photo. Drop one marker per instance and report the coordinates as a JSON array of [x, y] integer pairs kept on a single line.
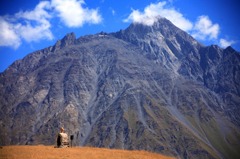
[[62, 139]]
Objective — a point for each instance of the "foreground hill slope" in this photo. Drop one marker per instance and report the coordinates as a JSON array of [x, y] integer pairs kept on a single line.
[[43, 152], [149, 88]]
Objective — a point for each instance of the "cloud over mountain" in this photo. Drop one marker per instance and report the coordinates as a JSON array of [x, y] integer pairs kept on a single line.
[[73, 14], [153, 11], [226, 43], [35, 25], [202, 29], [8, 35], [31, 26]]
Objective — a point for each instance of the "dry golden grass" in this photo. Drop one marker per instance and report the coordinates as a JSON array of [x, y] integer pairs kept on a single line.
[[48, 152]]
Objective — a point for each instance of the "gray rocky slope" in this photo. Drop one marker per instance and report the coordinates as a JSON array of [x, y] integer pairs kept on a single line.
[[147, 87]]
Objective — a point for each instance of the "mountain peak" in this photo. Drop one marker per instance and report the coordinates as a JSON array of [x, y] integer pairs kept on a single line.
[[152, 88], [162, 41], [68, 39], [229, 49], [162, 25]]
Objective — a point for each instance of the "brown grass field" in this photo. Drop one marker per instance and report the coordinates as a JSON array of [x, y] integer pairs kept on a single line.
[[49, 152]]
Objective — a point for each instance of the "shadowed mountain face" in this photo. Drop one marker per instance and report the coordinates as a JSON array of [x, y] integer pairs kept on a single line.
[[147, 87]]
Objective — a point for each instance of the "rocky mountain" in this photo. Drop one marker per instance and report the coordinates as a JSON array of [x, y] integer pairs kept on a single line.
[[146, 87]]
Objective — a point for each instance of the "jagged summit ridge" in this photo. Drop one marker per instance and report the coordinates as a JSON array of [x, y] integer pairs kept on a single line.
[[163, 27], [162, 42], [68, 39], [147, 87]]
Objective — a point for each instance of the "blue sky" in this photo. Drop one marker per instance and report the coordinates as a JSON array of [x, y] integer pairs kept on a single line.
[[27, 26]]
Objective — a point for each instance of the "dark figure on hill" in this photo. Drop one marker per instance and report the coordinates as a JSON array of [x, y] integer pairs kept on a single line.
[[62, 139]]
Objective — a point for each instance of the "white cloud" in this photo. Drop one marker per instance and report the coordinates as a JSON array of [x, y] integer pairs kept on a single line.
[[152, 12], [35, 25], [7, 35], [39, 14], [204, 28], [113, 11], [73, 14], [31, 26], [225, 43]]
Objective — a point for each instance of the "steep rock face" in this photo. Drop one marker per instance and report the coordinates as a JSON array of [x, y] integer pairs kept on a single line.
[[221, 74], [69, 39], [216, 68], [164, 43], [152, 88]]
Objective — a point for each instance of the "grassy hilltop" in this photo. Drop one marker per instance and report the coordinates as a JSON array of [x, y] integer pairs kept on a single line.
[[48, 152]]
